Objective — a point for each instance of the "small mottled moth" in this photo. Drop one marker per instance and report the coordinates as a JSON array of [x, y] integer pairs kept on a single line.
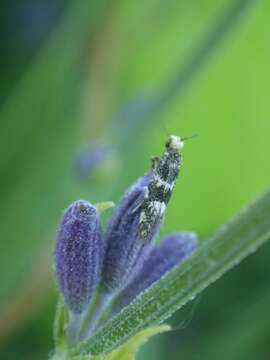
[[165, 171]]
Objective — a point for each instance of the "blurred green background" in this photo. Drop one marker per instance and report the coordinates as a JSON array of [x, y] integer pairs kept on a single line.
[[89, 90]]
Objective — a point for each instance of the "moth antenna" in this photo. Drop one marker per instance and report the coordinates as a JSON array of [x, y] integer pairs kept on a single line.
[[189, 137], [164, 128]]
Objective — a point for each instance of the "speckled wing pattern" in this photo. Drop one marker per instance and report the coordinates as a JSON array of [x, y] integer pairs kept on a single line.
[[158, 193]]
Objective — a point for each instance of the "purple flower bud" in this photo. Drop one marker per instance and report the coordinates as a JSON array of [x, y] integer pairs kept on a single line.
[[78, 254], [124, 245], [159, 259]]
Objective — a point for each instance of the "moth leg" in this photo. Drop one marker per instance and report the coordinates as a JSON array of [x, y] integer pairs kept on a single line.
[[142, 200], [155, 161], [137, 207]]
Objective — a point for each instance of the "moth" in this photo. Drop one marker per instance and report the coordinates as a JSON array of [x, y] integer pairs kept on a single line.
[[165, 171]]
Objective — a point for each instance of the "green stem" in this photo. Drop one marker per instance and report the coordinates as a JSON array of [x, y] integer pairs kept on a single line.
[[74, 328], [101, 307]]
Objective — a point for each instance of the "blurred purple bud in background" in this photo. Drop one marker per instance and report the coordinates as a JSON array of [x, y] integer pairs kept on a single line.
[[170, 252], [123, 244], [91, 158], [78, 254]]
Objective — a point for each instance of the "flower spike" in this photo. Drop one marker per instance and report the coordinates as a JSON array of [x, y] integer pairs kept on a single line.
[[78, 255]]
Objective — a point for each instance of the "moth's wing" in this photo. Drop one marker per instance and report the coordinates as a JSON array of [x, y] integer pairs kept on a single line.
[[154, 221]]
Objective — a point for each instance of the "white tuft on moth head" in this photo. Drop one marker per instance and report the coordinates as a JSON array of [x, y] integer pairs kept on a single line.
[[174, 143]]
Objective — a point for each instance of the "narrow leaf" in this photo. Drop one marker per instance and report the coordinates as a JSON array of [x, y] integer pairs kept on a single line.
[[60, 323], [130, 348], [225, 249]]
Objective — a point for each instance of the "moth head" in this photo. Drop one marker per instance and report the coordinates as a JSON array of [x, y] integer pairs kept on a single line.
[[174, 143]]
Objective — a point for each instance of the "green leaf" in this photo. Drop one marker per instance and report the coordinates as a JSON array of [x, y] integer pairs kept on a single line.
[[60, 324], [130, 348], [225, 249]]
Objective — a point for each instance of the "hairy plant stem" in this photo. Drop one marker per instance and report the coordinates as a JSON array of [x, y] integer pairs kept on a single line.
[[101, 306], [74, 328]]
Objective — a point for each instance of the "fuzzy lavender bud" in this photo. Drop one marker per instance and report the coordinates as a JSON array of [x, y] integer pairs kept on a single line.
[[159, 259], [124, 246], [78, 254]]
